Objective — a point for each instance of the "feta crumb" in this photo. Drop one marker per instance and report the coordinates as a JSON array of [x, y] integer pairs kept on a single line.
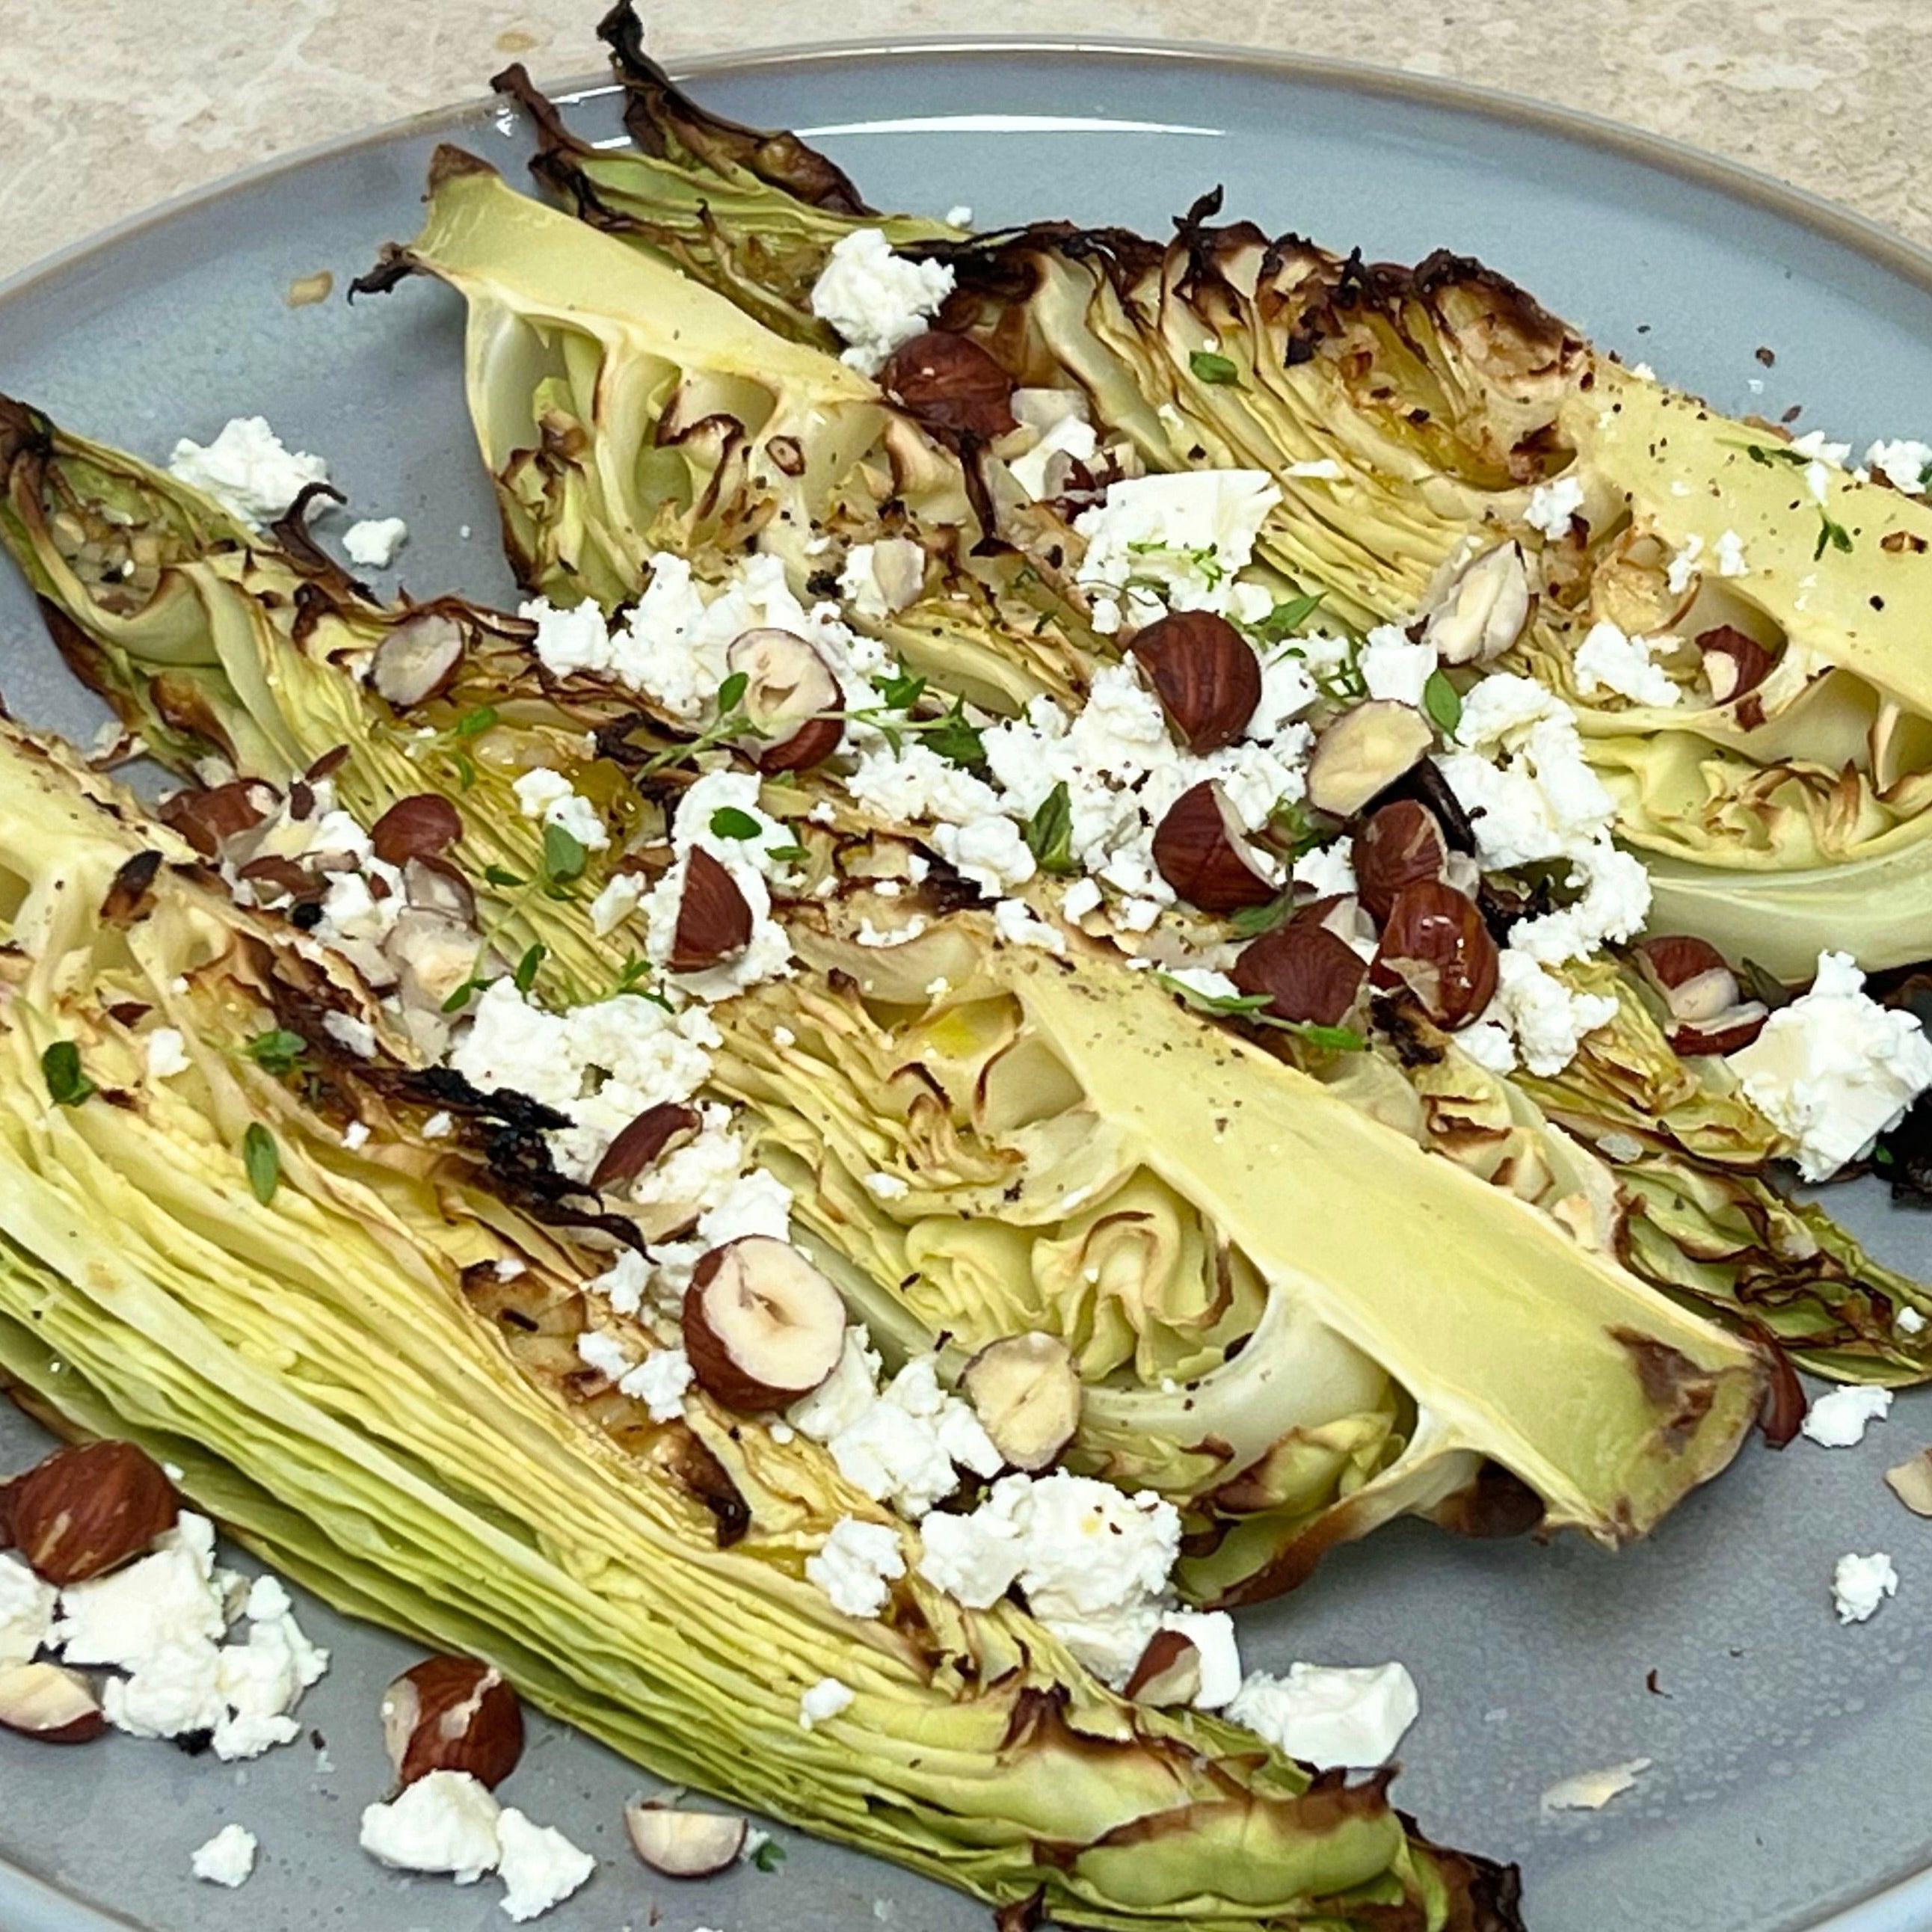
[[248, 470], [1212, 1634], [540, 1868], [373, 543], [1608, 660], [1859, 1584], [1206, 981], [1192, 531], [1840, 1419], [1909, 1322], [615, 903], [445, 1822], [26, 1611], [1591, 1790], [1328, 871], [1834, 1070], [1082, 897], [959, 216], [883, 1186], [227, 1858], [874, 299], [346, 1030], [825, 1699], [1903, 464], [604, 1353], [439, 1126], [1016, 924], [659, 1382], [1552, 506], [1329, 1716], [1393, 667], [1731, 555], [854, 1566], [548, 795], [1317, 468], [167, 1053]]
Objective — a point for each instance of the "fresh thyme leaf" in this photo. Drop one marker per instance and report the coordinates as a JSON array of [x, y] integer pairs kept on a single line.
[[263, 1159], [900, 690], [728, 822], [277, 1051], [471, 722], [498, 876], [458, 1000], [563, 856], [1443, 702], [788, 855], [769, 1856], [1290, 825], [1287, 617], [1209, 367], [1768, 456], [731, 692], [1213, 1002], [957, 741], [67, 1085], [1836, 534], [1049, 832], [1249, 920], [1337, 1039], [525, 976], [466, 770]]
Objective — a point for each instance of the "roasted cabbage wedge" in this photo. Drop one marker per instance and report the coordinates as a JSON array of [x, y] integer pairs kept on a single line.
[[329, 1356], [1408, 417], [624, 409], [1040, 1193]]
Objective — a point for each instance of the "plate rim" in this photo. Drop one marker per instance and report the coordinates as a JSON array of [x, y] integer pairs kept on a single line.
[[29, 1903]]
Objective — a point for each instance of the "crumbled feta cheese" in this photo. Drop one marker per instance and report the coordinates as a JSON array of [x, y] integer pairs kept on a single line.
[[1553, 506], [604, 1353], [1327, 871], [1591, 1790], [1834, 1070], [1731, 554], [1316, 470], [372, 544], [844, 1396], [26, 1611], [1206, 981], [167, 1053], [1546, 1019], [1192, 531], [916, 782], [990, 852], [355, 1135], [1608, 660], [1903, 464], [1094, 1564], [445, 1822], [248, 470], [1840, 1419], [883, 1186], [227, 1858], [1685, 565], [615, 903], [1080, 899], [855, 1565], [622, 1285], [1859, 1584], [1909, 1322], [1487, 1042], [1393, 667], [165, 1599], [1329, 1717], [262, 1681], [659, 1382], [824, 1699], [346, 1030], [902, 1448], [548, 795], [1058, 418], [540, 1868], [1016, 924], [876, 300]]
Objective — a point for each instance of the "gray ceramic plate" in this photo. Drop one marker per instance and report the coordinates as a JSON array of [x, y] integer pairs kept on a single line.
[[1791, 1756]]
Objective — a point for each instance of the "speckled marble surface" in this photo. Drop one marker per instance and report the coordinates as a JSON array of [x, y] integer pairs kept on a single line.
[[110, 105]]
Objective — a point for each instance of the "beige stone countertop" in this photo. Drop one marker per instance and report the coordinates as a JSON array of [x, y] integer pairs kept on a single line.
[[111, 105]]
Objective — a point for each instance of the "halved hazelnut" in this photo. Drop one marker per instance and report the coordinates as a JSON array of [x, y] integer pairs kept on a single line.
[[86, 1511], [1479, 610], [1735, 663], [1363, 752], [1204, 673], [1435, 942], [762, 1326], [274, 877], [452, 1714], [644, 1142], [1169, 1671], [1396, 845], [1344, 915], [787, 684], [948, 381], [432, 955], [417, 659], [1696, 981], [1201, 849], [417, 827], [1026, 1392], [681, 1844], [434, 885], [714, 918], [130, 894], [1308, 972], [1729, 1031], [49, 1703], [208, 819]]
